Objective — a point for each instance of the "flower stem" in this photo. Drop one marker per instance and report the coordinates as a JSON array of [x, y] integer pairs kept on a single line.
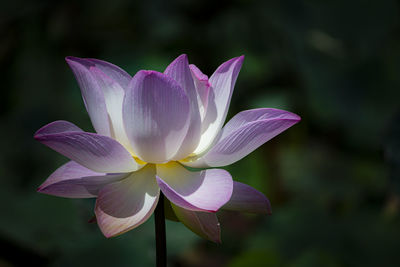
[[161, 246]]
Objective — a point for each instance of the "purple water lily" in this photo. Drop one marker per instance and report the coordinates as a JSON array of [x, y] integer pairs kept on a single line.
[[148, 128]]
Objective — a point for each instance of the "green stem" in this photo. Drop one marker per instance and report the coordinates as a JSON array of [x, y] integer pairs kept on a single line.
[[161, 244]]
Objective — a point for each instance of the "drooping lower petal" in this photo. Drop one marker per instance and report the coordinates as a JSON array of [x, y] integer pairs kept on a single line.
[[156, 114], [124, 205], [222, 83], [207, 190], [244, 133], [205, 224], [179, 70], [247, 199], [72, 180], [96, 152]]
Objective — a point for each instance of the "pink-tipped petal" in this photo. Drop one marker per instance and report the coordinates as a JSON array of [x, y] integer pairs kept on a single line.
[[222, 83], [179, 70], [92, 94], [204, 224], [244, 133], [247, 199], [124, 205], [58, 127], [72, 180], [103, 83], [202, 89], [114, 97], [156, 114], [206, 190], [96, 152], [112, 71]]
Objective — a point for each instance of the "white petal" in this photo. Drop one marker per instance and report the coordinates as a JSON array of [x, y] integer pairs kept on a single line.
[[124, 205], [114, 97], [179, 70], [244, 133], [156, 115], [222, 83], [207, 190], [72, 180]]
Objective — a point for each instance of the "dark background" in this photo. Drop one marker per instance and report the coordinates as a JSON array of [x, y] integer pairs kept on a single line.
[[333, 179]]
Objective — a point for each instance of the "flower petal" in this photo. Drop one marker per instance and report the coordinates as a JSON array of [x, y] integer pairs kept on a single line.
[[222, 83], [109, 81], [92, 94], [156, 116], [114, 97], [247, 199], [58, 127], [112, 71], [206, 190], [202, 89], [168, 211], [179, 70], [205, 224], [72, 180], [244, 133], [96, 152], [124, 205]]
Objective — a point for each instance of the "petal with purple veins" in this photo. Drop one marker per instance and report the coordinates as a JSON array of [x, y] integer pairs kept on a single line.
[[222, 83], [114, 97], [72, 180], [92, 94], [96, 152], [156, 113], [244, 133], [126, 204], [205, 224], [179, 70], [112, 71], [247, 199], [202, 89], [207, 190]]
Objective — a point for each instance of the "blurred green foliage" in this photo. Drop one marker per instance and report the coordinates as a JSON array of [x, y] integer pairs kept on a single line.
[[333, 179]]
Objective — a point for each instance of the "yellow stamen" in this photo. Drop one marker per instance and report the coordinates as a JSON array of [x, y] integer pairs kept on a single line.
[[139, 160]]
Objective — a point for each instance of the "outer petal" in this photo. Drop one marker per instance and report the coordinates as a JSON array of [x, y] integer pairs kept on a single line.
[[244, 133], [202, 89], [114, 97], [96, 152], [58, 127], [156, 116], [222, 83], [247, 199], [179, 70], [109, 82], [112, 71], [124, 205], [206, 190], [205, 224], [92, 94], [75, 181]]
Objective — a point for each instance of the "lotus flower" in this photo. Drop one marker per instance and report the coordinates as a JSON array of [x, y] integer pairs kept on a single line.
[[149, 129]]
